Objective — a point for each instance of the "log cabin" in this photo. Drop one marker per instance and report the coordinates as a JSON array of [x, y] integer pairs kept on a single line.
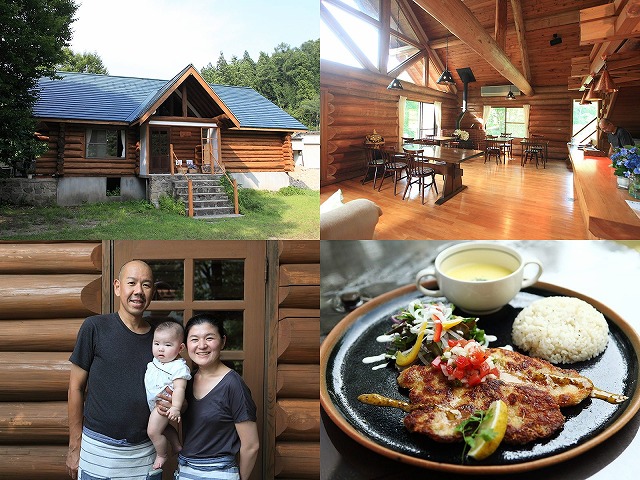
[[529, 68], [269, 299], [107, 132]]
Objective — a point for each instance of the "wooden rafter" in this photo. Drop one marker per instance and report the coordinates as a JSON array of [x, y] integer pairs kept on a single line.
[[609, 27], [459, 20], [500, 29], [518, 18], [384, 39]]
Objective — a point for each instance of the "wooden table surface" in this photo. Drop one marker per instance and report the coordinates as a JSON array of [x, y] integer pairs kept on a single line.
[[452, 157], [604, 208]]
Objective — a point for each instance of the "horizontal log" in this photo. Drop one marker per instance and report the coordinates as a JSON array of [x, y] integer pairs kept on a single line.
[[298, 340], [33, 422], [34, 376], [50, 296], [30, 258], [298, 381], [51, 335], [299, 460], [303, 296], [300, 274], [34, 462], [299, 251], [298, 420]]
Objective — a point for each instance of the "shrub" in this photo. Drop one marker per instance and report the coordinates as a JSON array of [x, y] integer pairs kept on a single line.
[[171, 205], [290, 191]]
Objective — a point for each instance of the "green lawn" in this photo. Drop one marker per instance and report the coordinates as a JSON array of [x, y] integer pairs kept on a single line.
[[289, 214]]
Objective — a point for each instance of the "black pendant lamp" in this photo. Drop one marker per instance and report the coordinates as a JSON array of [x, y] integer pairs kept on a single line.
[[395, 85], [446, 78], [510, 95]]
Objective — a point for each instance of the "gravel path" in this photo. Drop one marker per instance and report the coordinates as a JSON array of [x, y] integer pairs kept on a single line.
[[305, 178]]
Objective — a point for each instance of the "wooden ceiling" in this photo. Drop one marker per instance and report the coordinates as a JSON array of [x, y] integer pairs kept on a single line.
[[548, 65]]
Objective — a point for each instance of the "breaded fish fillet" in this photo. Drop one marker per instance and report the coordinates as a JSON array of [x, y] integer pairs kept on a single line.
[[567, 387], [532, 413]]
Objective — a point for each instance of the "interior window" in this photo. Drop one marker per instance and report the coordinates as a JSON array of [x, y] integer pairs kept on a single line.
[[419, 119], [506, 120]]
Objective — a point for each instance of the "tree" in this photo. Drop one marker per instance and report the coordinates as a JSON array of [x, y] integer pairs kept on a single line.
[[86, 62], [289, 77], [32, 36]]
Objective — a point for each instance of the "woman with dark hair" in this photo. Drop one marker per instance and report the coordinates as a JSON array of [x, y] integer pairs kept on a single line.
[[220, 436]]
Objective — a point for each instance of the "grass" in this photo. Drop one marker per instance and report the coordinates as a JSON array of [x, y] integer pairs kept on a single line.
[[288, 214]]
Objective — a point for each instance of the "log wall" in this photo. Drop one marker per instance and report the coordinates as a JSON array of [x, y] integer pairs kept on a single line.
[[550, 115], [297, 402], [48, 290], [244, 151], [354, 103], [67, 153]]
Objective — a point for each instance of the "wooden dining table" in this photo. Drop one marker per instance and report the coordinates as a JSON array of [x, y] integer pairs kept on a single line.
[[439, 139], [446, 161]]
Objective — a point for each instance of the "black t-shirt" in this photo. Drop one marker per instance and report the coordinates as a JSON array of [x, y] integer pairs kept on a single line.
[[116, 359], [620, 138], [209, 423]]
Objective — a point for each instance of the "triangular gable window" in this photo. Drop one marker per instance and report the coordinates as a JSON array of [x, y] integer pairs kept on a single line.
[[368, 7], [331, 48], [414, 73], [399, 51], [399, 23]]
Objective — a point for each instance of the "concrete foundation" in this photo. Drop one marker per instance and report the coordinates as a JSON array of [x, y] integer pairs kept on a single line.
[[273, 181], [79, 190]]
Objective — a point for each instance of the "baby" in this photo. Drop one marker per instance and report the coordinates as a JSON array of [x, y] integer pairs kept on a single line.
[[166, 369]]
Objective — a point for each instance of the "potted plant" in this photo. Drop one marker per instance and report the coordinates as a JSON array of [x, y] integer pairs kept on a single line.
[[625, 162]]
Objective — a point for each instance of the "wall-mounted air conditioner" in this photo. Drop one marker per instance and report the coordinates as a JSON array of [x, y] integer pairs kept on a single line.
[[498, 90]]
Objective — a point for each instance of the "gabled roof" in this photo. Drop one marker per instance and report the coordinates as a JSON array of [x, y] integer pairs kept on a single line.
[[126, 100]]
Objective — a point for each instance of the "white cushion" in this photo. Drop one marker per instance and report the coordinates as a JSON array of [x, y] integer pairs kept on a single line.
[[333, 202]]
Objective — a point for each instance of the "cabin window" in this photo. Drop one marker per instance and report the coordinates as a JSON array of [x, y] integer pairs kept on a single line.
[[506, 120], [105, 143], [419, 119]]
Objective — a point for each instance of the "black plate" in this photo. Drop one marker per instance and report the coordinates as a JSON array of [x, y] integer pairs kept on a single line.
[[344, 377]]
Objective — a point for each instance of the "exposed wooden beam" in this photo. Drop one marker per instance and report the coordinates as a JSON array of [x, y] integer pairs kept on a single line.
[[518, 18], [334, 25], [500, 29], [385, 31], [184, 100], [459, 20], [407, 63]]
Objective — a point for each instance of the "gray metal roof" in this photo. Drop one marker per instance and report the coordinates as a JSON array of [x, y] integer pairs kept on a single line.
[[91, 97]]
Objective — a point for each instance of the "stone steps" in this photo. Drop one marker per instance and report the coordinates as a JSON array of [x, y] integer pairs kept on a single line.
[[209, 198]]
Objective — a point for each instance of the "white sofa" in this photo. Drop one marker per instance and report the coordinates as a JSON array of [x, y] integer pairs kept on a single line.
[[354, 220]]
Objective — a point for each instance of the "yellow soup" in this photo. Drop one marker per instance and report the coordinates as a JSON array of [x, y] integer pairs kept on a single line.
[[478, 272]]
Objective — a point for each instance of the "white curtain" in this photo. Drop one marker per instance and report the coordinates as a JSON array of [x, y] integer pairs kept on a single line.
[[486, 111], [402, 101], [525, 108], [438, 112]]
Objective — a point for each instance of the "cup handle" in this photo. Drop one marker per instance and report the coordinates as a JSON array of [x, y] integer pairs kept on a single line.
[[527, 282], [427, 272]]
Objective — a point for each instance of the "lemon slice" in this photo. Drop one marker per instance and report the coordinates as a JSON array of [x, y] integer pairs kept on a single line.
[[491, 431]]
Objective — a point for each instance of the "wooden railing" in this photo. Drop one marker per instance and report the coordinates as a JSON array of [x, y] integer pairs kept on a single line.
[[234, 183]]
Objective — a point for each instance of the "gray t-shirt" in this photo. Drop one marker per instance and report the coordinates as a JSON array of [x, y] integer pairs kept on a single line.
[[620, 138], [209, 423], [116, 359]]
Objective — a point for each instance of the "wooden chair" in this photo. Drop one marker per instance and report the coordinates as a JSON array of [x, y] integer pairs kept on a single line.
[[373, 161], [492, 148], [407, 139], [417, 172], [533, 148], [506, 148], [392, 165]]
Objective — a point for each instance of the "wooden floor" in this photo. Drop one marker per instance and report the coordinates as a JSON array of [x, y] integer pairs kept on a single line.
[[503, 201]]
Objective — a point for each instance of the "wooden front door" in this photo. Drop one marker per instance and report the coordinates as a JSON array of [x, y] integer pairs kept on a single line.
[[224, 278], [159, 148]]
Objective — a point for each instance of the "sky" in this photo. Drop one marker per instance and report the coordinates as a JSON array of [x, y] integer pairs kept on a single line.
[[158, 38]]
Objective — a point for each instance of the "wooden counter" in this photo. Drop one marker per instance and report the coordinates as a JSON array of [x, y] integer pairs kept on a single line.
[[604, 209]]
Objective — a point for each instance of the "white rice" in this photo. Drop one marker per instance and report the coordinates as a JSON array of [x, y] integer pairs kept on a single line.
[[561, 330]]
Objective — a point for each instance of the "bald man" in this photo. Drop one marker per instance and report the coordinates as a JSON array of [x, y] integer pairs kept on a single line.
[[108, 428], [617, 136]]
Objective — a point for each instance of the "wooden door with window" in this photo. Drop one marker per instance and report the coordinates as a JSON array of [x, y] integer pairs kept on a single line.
[[224, 278], [159, 150]]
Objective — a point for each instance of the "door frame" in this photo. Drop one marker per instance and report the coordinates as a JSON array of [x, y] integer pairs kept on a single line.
[[259, 319]]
